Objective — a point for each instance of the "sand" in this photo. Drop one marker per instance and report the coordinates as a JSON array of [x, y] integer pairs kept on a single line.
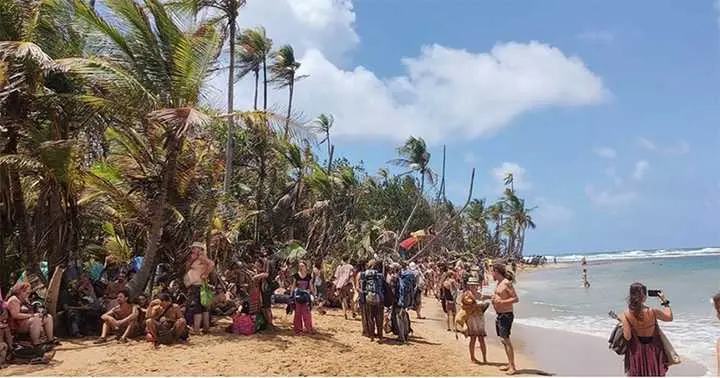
[[337, 349]]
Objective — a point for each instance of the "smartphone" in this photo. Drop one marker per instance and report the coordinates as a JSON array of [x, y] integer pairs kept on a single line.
[[654, 293]]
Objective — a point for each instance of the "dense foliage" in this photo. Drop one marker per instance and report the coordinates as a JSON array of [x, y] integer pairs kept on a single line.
[[106, 147]]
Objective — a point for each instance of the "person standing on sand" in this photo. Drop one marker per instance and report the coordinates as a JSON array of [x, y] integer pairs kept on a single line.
[[420, 286], [302, 288], [503, 300], [645, 356], [372, 298], [344, 285], [448, 288], [470, 321], [199, 267]]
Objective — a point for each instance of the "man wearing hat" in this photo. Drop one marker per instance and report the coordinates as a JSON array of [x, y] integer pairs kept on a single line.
[[199, 267]]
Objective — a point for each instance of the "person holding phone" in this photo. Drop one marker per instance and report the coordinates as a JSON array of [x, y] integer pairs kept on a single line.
[[645, 356]]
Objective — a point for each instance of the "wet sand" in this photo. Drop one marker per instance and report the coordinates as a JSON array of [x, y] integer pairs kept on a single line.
[[337, 349]]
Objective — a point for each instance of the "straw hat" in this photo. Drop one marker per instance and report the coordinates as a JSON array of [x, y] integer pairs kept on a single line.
[[198, 245]]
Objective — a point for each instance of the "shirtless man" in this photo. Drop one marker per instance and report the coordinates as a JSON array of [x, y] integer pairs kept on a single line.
[[164, 323], [448, 289], [345, 286], [121, 317], [199, 267], [503, 300]]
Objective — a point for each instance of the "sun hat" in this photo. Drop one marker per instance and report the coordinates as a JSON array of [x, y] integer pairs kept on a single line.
[[198, 245]]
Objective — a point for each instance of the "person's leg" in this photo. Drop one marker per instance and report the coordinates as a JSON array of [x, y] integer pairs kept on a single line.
[[452, 320], [307, 319], [483, 348], [151, 329], [35, 328], [180, 328], [378, 311], [472, 348], [206, 321], [129, 327], [297, 319], [510, 355]]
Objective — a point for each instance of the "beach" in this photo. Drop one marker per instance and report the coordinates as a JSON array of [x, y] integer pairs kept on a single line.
[[337, 349]]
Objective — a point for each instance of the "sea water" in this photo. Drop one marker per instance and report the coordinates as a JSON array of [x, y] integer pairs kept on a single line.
[[556, 298]]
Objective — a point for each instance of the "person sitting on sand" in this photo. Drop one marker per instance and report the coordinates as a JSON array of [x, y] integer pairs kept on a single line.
[[164, 323], [222, 305], [645, 355], [6, 338], [344, 285], [23, 320], [82, 308], [470, 321], [503, 300], [122, 318], [199, 267]]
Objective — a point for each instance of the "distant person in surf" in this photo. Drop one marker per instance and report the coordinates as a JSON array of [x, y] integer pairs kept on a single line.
[[503, 300], [586, 283], [645, 356]]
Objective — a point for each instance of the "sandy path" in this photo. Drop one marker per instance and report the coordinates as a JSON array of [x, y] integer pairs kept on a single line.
[[337, 349]]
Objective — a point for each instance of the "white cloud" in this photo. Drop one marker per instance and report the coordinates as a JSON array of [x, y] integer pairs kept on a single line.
[[641, 168], [605, 152], [603, 36], [520, 180], [548, 213], [608, 198], [681, 148], [443, 94]]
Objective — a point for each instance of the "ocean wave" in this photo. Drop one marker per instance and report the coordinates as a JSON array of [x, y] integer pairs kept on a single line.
[[693, 338], [638, 254]]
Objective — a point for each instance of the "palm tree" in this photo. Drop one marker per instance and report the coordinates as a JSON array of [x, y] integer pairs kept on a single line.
[[284, 75], [253, 50], [229, 10], [156, 73], [323, 124], [415, 156]]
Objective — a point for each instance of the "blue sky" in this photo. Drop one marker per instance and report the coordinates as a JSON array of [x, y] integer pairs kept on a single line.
[[606, 111]]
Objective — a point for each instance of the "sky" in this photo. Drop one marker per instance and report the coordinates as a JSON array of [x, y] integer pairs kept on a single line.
[[604, 111]]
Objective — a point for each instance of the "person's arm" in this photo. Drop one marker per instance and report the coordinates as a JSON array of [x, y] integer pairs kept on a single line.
[[260, 276], [665, 314], [627, 330]]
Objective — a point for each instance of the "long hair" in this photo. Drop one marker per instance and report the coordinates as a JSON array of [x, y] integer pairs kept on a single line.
[[502, 270], [636, 299]]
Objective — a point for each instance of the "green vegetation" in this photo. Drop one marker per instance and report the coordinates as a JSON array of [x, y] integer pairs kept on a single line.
[[106, 147]]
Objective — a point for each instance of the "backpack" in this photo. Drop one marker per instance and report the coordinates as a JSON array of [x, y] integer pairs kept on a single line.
[[372, 287], [617, 341], [301, 296], [406, 288]]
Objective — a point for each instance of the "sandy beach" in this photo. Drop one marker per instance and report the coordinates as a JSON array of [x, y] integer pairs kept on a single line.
[[337, 349]]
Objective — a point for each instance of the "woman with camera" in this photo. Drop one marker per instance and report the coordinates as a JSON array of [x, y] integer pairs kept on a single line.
[[645, 356]]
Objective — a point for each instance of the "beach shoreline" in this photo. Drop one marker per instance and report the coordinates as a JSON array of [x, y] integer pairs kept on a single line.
[[567, 353]]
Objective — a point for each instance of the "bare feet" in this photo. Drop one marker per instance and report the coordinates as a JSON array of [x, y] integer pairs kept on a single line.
[[505, 368]]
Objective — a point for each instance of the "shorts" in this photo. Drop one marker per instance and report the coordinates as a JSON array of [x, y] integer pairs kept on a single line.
[[448, 306], [503, 324], [194, 305]]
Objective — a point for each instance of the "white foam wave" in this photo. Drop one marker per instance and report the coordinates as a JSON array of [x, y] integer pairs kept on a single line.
[[693, 338], [638, 254]]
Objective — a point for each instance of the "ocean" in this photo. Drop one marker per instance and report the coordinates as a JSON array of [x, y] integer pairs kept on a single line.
[[556, 298]]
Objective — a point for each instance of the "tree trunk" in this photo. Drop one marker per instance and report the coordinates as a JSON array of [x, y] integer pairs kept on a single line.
[[157, 217], [265, 82], [407, 222], [291, 89], [230, 104], [26, 247], [258, 195], [257, 82]]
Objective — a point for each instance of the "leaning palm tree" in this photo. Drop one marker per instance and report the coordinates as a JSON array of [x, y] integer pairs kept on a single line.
[[284, 75], [155, 71], [228, 13], [414, 156]]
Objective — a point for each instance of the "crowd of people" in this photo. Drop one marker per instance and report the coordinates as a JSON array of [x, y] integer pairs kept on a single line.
[[381, 293]]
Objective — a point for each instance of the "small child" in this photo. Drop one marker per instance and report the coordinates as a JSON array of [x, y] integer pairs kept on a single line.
[[470, 321]]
